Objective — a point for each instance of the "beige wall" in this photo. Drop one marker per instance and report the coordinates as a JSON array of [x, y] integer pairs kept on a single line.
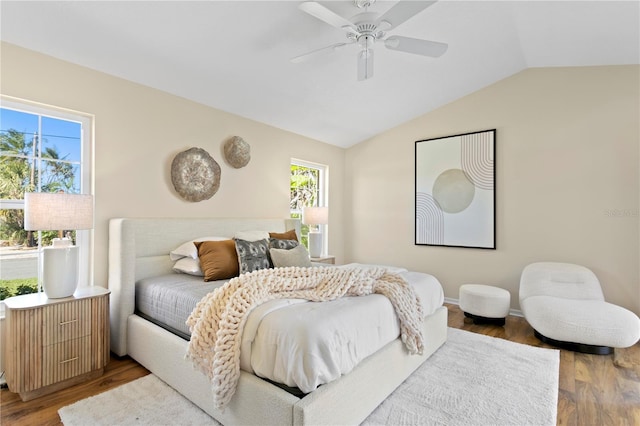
[[567, 154], [139, 130]]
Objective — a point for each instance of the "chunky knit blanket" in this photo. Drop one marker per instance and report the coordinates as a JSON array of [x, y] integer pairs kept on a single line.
[[217, 321]]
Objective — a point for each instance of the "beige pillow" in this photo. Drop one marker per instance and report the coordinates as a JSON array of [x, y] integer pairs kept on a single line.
[[218, 259], [297, 256], [289, 235]]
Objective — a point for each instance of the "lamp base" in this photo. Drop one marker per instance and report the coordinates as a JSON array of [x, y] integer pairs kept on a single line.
[[60, 271], [315, 243]]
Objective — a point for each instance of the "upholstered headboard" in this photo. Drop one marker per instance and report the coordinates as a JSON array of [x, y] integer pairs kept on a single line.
[[139, 248]]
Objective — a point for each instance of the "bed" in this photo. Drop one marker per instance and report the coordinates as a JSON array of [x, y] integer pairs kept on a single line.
[[139, 250]]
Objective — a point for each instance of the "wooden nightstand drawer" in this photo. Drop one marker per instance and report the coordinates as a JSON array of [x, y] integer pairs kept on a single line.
[[66, 321], [55, 343], [65, 360]]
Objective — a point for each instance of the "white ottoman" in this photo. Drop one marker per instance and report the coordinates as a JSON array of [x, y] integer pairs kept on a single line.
[[485, 303]]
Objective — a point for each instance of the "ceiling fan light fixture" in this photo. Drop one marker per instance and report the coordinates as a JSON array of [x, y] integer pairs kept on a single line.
[[365, 64], [366, 41]]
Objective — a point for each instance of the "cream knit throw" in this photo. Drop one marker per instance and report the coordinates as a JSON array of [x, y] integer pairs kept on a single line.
[[217, 321]]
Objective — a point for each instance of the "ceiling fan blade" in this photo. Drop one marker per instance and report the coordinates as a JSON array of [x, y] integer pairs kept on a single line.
[[402, 11], [317, 10], [365, 64], [416, 46], [319, 52]]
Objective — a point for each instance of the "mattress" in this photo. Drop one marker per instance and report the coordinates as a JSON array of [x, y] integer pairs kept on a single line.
[[168, 300], [293, 342]]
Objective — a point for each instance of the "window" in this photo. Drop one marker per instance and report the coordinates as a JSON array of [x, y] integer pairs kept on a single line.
[[308, 189], [42, 149]]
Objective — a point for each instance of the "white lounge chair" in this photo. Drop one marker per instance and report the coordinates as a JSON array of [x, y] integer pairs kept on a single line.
[[565, 306]]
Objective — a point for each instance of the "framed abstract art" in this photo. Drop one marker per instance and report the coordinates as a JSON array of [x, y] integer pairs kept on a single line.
[[455, 191]]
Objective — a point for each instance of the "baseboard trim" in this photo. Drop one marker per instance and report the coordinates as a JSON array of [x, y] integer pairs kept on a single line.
[[513, 312]]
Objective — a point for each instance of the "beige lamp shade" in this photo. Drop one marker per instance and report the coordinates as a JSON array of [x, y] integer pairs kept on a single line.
[[315, 215], [57, 211]]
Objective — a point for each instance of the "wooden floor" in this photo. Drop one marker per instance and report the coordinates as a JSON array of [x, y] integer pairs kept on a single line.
[[592, 390]]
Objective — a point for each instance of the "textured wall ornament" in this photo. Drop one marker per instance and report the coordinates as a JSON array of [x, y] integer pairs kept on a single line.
[[237, 152], [195, 175]]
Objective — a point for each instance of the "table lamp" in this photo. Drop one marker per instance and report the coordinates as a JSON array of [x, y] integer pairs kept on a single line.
[[315, 216], [58, 212]]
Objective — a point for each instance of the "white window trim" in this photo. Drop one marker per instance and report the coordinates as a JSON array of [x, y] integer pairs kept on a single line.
[[84, 238], [323, 196], [324, 178]]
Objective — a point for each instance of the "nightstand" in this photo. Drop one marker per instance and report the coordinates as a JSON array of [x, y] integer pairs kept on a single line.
[[52, 344], [324, 259]]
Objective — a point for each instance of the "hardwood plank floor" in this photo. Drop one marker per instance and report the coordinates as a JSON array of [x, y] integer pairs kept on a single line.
[[44, 410], [592, 389]]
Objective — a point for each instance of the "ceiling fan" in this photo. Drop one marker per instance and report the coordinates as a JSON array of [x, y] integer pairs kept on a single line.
[[367, 28]]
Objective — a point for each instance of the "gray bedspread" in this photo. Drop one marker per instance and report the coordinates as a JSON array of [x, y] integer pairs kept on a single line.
[[168, 300]]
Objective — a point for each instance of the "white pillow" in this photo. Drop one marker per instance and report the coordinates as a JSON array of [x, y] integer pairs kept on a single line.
[[189, 249], [190, 266], [297, 256], [251, 235]]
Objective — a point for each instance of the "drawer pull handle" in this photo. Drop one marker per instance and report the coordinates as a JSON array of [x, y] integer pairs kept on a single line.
[[68, 360], [68, 322]]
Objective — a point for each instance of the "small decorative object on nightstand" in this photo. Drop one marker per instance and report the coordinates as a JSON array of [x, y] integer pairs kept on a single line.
[[324, 259], [52, 344], [314, 217], [57, 212]]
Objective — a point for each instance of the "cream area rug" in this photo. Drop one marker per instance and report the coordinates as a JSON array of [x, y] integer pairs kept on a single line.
[[471, 380]]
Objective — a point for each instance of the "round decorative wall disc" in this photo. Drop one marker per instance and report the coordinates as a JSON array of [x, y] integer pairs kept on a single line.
[[195, 174], [237, 152]]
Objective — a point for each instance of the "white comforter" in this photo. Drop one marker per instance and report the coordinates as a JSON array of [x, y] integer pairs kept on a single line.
[[306, 344]]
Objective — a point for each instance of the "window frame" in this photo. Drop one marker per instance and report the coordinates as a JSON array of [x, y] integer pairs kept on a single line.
[[84, 238], [322, 198]]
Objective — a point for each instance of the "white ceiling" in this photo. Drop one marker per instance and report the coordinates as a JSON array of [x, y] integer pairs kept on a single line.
[[234, 55]]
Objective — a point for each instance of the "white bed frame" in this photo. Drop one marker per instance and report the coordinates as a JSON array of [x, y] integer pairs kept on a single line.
[[139, 248]]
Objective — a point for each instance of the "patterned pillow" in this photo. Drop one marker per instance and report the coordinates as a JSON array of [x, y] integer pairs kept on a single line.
[[282, 244], [252, 255]]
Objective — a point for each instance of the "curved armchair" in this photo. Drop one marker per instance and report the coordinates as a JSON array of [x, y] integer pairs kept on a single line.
[[565, 306]]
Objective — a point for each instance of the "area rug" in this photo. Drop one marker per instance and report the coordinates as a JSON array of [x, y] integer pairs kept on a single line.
[[471, 380]]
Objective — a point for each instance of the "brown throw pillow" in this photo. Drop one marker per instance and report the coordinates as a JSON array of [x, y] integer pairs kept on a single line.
[[289, 235], [218, 259]]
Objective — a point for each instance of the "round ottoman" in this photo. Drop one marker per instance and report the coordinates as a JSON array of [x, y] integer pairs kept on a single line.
[[485, 303]]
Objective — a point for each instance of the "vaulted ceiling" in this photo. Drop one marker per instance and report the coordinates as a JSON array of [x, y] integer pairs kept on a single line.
[[235, 55]]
